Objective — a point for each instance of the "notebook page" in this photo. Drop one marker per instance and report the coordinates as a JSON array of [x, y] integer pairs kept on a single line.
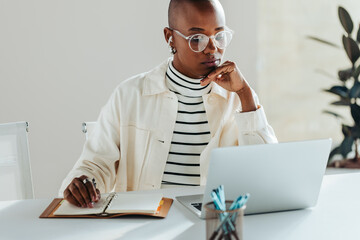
[[67, 208], [135, 203]]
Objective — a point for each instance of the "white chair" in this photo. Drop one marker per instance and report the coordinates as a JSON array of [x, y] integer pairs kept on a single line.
[[15, 171], [87, 128]]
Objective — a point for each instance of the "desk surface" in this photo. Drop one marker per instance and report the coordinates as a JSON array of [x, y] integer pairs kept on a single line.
[[336, 216]]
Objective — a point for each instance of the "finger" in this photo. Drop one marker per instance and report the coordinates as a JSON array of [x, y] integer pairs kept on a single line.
[[90, 187], [205, 81], [83, 191], [226, 67], [82, 177], [91, 193], [216, 72], [91, 190], [76, 193], [220, 78], [221, 75], [70, 198], [98, 195]]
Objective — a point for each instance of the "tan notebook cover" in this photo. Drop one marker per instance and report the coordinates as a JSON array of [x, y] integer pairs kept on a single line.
[[161, 213]]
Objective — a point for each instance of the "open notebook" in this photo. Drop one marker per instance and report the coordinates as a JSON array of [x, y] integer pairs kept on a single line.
[[113, 205]]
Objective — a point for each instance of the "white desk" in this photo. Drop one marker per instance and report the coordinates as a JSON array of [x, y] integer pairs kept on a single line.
[[337, 216]]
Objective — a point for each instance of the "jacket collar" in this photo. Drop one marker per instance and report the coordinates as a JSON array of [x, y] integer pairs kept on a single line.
[[216, 89], [155, 82]]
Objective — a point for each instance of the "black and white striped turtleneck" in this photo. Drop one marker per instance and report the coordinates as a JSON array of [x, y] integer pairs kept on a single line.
[[191, 132]]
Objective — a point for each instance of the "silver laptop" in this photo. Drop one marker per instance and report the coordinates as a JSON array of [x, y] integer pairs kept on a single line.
[[279, 177]]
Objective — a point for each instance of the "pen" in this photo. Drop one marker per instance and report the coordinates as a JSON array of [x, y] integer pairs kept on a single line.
[[244, 199], [240, 202], [219, 205], [93, 182], [216, 200], [222, 194], [227, 219], [232, 229]]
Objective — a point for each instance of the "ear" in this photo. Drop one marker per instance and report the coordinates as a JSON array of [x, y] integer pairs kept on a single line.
[[168, 35]]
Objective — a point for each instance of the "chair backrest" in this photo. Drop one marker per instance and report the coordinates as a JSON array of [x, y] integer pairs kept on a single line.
[[15, 171], [87, 128]]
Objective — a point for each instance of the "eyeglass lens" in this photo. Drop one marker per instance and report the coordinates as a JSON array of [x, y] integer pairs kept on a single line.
[[198, 42]]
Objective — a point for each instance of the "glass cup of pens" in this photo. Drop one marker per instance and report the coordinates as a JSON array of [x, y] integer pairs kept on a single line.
[[226, 224], [224, 219]]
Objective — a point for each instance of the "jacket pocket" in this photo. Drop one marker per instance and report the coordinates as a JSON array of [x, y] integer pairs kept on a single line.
[[154, 165], [133, 150]]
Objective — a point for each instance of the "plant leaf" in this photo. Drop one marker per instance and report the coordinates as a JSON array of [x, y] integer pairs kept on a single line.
[[346, 146], [338, 90], [345, 74], [342, 102], [355, 90], [356, 72], [355, 131], [346, 130], [333, 113], [345, 20], [351, 48], [355, 113], [323, 41]]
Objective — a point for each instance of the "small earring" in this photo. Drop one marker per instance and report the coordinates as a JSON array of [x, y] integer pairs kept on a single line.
[[171, 49]]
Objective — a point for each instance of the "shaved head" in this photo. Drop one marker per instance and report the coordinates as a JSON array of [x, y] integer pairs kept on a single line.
[[189, 17], [178, 8]]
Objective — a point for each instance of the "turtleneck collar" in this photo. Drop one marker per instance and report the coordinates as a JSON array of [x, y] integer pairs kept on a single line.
[[184, 85]]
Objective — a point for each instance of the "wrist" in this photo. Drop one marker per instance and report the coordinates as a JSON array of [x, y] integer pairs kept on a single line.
[[244, 90], [246, 98]]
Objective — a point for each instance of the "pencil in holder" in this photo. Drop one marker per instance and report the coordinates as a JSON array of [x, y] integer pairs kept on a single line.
[[226, 224]]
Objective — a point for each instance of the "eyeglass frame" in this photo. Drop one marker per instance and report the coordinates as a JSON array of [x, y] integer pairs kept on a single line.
[[212, 37]]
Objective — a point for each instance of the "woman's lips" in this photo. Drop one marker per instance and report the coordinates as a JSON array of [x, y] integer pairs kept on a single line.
[[211, 63]]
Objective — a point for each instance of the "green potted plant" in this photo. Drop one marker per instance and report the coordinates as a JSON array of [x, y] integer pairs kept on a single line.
[[348, 93]]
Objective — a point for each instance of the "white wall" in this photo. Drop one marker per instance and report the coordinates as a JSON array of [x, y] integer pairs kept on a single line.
[[289, 83], [60, 61]]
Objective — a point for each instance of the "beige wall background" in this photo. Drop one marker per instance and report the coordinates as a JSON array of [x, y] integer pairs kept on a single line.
[[60, 61], [289, 82]]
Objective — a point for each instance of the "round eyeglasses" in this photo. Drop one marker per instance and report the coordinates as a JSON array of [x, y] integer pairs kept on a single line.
[[198, 42]]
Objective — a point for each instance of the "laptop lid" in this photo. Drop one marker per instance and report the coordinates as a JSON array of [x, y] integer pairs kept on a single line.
[[281, 176]]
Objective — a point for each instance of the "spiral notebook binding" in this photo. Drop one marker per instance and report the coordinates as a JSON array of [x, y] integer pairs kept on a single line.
[[113, 197], [108, 201]]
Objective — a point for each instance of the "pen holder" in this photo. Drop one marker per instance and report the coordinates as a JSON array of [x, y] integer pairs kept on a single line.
[[224, 224]]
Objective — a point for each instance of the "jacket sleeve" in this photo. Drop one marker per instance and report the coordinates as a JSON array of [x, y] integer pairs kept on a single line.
[[101, 151], [253, 127]]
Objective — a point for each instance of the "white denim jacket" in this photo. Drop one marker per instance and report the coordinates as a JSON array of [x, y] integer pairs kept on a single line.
[[129, 146]]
